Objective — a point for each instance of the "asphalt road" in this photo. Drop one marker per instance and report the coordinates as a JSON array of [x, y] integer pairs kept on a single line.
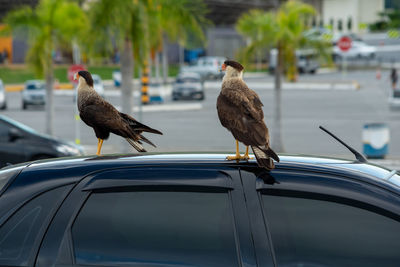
[[194, 125]]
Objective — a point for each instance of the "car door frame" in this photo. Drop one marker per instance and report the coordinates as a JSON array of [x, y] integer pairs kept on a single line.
[[57, 250]]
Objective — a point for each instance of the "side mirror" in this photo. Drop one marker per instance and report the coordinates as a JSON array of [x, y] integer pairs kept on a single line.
[[14, 134]]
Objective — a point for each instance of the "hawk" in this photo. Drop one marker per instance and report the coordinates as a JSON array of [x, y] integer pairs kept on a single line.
[[104, 118], [240, 111]]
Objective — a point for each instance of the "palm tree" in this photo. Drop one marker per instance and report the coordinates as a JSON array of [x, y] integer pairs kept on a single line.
[[182, 22], [283, 30], [124, 23], [50, 24], [137, 27]]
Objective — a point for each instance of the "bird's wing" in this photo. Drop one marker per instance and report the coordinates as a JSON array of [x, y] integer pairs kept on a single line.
[[101, 115], [230, 114], [242, 126], [243, 97], [240, 111]]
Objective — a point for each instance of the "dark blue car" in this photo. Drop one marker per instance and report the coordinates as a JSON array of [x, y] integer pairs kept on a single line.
[[198, 210]]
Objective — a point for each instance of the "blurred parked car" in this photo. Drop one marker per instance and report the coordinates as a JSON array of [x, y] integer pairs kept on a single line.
[[394, 99], [198, 210], [307, 60], [188, 85], [325, 34], [358, 49], [353, 37], [20, 143], [34, 93], [207, 67], [3, 99], [98, 84]]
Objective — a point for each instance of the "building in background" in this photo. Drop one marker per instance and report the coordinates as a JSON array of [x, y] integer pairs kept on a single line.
[[222, 38], [15, 47], [346, 16]]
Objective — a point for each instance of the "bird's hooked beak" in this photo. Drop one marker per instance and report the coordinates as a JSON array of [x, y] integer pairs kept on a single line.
[[76, 76], [223, 67]]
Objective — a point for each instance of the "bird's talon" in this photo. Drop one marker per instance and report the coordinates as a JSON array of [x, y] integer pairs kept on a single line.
[[238, 158]]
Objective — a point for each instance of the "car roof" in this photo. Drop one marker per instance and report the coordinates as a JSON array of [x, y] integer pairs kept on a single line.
[[84, 165]]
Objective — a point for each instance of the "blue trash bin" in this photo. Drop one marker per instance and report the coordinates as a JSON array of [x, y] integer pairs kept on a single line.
[[376, 137], [116, 75]]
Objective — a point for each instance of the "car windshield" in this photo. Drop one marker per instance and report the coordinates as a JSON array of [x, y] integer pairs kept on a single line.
[[187, 80], [35, 86], [18, 125], [96, 80]]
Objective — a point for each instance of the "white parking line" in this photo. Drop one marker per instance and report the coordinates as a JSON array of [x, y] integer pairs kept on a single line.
[[169, 107], [166, 107]]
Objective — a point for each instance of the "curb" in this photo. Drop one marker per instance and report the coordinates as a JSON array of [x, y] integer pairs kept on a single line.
[[13, 88], [20, 87]]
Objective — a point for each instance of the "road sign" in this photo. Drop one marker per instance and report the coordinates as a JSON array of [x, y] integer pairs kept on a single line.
[[344, 43], [72, 70]]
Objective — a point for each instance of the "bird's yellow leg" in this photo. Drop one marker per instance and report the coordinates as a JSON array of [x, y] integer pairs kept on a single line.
[[237, 155], [246, 155], [99, 144]]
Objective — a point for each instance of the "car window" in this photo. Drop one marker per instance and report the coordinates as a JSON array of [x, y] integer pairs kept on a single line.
[[317, 232], [19, 233], [187, 80], [35, 86], [155, 228]]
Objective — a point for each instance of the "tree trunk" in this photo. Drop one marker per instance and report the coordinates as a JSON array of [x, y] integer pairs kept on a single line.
[[126, 76], [181, 55], [259, 60], [157, 67], [277, 144], [49, 97], [126, 85], [165, 60], [49, 77]]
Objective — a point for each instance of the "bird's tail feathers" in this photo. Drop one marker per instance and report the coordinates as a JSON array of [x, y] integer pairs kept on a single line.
[[144, 139], [272, 154], [145, 128], [264, 157], [136, 145], [137, 126]]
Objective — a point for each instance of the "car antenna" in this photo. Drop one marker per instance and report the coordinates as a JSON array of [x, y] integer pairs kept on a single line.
[[358, 155]]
